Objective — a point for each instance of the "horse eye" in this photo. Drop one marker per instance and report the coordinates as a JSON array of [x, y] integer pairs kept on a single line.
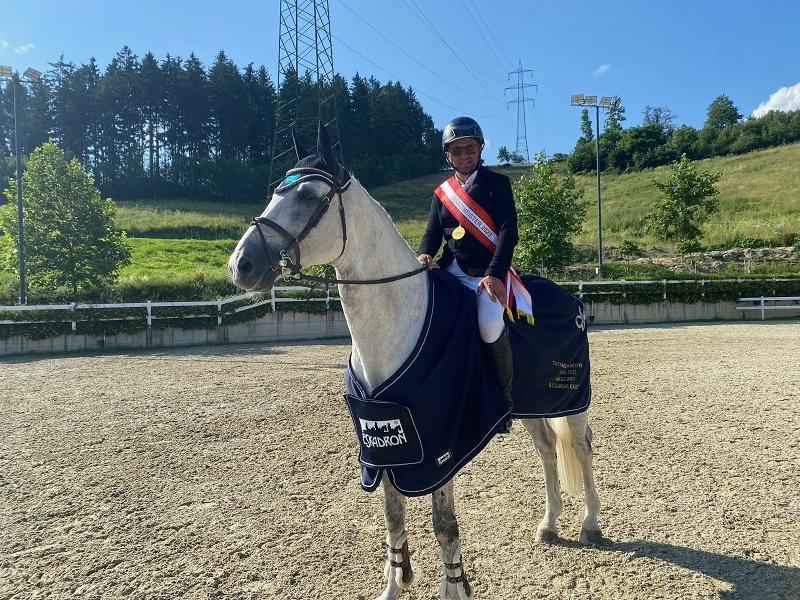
[[307, 195]]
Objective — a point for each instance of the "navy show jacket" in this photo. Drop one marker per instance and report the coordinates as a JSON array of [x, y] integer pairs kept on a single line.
[[493, 192]]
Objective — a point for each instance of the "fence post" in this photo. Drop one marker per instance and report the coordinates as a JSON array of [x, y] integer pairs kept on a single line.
[[272, 298], [74, 323], [762, 308], [664, 281], [624, 292], [149, 314], [703, 289], [219, 313], [580, 290]]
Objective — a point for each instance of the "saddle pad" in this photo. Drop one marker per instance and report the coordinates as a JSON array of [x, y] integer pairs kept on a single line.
[[455, 403]]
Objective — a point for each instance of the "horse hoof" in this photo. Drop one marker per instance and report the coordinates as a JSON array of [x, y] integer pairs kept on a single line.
[[591, 537], [546, 535]]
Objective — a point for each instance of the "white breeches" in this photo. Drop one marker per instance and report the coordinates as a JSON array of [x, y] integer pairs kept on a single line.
[[490, 312]]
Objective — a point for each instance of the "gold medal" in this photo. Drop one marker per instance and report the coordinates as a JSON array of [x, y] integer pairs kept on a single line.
[[458, 232]]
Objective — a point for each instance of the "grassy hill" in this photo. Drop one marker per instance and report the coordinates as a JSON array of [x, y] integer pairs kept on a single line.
[[759, 200]]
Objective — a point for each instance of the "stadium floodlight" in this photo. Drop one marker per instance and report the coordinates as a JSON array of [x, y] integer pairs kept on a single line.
[[32, 74], [606, 102], [5, 71]]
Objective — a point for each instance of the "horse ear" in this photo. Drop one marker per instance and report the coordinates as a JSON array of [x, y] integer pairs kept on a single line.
[[324, 149], [298, 148]]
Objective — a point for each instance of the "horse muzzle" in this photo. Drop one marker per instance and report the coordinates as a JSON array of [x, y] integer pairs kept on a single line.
[[252, 275]]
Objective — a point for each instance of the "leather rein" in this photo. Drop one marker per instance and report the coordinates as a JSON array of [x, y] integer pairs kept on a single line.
[[291, 267]]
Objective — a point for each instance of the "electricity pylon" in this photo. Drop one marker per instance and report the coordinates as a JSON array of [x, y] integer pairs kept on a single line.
[[521, 100], [305, 62]]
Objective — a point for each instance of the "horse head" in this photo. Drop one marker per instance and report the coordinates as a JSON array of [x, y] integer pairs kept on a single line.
[[297, 222]]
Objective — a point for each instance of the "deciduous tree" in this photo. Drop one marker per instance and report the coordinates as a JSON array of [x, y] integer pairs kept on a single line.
[[549, 214], [70, 234], [689, 198]]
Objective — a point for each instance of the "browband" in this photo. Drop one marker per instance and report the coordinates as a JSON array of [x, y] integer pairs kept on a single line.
[[298, 175]]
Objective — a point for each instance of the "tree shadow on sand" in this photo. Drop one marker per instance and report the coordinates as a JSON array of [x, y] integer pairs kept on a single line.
[[749, 579]]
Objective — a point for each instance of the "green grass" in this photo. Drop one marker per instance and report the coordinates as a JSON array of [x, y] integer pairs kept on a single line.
[[160, 258], [759, 200], [195, 219]]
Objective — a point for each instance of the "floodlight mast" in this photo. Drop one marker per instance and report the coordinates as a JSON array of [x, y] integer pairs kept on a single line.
[[606, 102], [31, 76]]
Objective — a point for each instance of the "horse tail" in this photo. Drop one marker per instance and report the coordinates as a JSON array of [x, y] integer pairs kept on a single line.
[[570, 473]]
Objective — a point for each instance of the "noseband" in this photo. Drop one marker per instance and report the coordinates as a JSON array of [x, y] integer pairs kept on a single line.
[[291, 267], [293, 178]]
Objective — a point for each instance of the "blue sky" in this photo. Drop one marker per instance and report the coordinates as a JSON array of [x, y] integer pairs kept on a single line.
[[680, 54]]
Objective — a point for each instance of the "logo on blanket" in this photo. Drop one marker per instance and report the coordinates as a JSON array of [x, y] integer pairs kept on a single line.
[[382, 434], [580, 319]]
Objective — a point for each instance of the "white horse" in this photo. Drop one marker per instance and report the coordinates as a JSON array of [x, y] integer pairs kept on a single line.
[[385, 320]]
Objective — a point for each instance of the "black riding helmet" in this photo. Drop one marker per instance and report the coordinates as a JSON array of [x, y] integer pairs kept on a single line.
[[460, 128]]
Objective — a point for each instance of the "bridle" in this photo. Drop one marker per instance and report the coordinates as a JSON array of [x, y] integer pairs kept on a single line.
[[291, 266]]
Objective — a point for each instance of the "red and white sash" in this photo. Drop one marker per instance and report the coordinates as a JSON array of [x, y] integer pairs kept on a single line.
[[472, 217]]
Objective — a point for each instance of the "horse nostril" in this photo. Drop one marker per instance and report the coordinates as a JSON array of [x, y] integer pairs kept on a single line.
[[244, 266]]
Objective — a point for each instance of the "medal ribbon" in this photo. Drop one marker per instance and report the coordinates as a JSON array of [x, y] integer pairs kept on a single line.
[[472, 217]]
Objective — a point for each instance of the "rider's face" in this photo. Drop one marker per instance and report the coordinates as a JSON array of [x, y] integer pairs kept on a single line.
[[464, 155]]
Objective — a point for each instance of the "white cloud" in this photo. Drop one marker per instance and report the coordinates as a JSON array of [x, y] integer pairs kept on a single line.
[[602, 69], [23, 49], [3, 46], [785, 99]]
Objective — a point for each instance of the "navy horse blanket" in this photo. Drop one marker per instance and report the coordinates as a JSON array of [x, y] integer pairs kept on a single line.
[[444, 405]]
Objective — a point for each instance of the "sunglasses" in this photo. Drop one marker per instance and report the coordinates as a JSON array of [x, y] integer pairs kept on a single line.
[[463, 150]]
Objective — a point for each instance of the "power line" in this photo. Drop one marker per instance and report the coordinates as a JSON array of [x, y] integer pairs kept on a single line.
[[485, 39], [489, 29], [399, 80], [430, 25], [419, 62]]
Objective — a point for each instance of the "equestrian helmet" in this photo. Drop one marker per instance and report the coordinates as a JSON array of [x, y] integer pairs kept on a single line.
[[460, 128]]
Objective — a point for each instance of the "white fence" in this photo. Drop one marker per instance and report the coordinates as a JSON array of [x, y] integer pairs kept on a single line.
[[274, 298], [277, 296], [770, 303]]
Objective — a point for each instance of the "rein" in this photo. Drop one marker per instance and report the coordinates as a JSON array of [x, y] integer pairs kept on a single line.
[[291, 267]]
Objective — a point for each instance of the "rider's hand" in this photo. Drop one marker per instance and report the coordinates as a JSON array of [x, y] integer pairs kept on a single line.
[[494, 287], [426, 259]]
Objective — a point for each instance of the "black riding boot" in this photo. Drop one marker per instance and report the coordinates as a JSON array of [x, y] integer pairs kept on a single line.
[[500, 353]]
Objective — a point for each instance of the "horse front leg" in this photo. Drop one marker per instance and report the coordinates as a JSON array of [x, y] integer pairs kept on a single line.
[[582, 443], [544, 440], [454, 585], [397, 571]]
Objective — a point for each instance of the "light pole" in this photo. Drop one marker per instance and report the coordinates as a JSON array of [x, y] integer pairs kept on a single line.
[[31, 75], [606, 102]]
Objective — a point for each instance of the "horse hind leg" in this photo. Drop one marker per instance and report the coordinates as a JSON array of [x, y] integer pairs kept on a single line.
[[581, 435], [454, 585], [398, 572], [544, 439]]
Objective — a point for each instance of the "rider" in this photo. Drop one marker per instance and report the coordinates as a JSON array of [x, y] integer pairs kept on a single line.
[[464, 255]]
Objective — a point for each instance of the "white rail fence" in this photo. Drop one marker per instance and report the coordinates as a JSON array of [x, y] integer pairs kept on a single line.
[[277, 296], [274, 298], [765, 303]]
